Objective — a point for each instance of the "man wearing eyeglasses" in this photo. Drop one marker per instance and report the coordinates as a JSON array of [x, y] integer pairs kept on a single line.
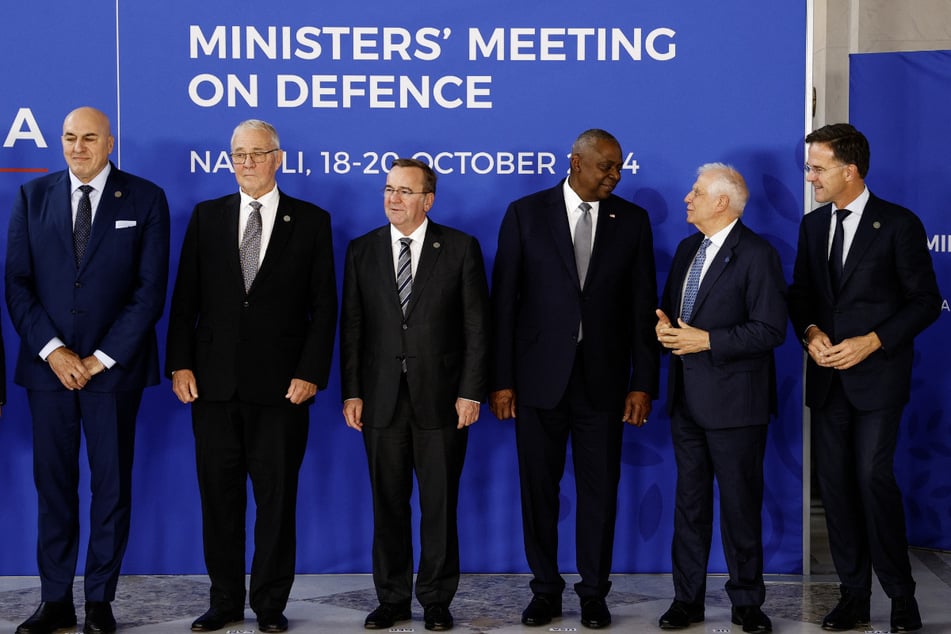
[[413, 355], [863, 288], [250, 339]]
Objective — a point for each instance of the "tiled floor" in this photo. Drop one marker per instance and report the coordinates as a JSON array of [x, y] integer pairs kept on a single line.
[[492, 603]]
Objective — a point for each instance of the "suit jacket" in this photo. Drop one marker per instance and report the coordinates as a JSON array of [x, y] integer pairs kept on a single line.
[[111, 302], [250, 345], [888, 286], [742, 304], [444, 336], [538, 303]]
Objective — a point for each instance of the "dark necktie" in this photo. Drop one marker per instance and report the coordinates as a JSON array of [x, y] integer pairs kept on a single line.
[[835, 253], [250, 250], [83, 225], [404, 273], [693, 280]]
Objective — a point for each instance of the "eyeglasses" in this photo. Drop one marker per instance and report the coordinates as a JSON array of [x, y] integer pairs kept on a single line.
[[819, 171], [402, 191], [258, 157]]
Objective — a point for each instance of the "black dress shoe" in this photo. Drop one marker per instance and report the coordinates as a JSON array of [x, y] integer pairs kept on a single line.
[[216, 618], [849, 612], [595, 614], [51, 615], [386, 615], [272, 622], [437, 617], [99, 619], [751, 618], [905, 615], [681, 615], [542, 609]]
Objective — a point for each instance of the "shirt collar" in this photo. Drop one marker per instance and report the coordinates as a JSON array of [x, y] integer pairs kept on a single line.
[[417, 236], [719, 237], [572, 199], [98, 183], [857, 206], [268, 201]]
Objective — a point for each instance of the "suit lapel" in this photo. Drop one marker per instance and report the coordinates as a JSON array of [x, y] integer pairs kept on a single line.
[[561, 233], [382, 267], [429, 255], [60, 211], [284, 221], [865, 236], [720, 262], [604, 237], [678, 272], [111, 199], [230, 214]]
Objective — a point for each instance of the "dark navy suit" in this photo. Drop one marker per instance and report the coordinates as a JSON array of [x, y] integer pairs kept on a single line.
[[109, 303], [565, 388], [720, 401], [888, 286]]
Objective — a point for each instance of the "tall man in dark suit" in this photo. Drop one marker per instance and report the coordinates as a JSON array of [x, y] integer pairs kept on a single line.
[[863, 287], [413, 356], [250, 339], [87, 266], [573, 297], [726, 293]]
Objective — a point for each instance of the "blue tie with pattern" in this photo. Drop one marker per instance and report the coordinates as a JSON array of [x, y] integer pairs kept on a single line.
[[83, 225], [404, 273], [693, 280]]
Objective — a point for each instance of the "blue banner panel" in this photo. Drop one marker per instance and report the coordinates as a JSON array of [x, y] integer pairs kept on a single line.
[[492, 94], [900, 102]]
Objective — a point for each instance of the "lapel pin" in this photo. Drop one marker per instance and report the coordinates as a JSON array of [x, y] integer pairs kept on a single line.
[[436, 245], [876, 225], [287, 218], [118, 194]]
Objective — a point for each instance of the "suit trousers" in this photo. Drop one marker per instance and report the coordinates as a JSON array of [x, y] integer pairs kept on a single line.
[[107, 421], [542, 438], [235, 441], [733, 456], [436, 455], [854, 452]]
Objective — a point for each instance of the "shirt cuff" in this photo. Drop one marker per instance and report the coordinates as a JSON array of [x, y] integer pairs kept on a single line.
[[53, 344]]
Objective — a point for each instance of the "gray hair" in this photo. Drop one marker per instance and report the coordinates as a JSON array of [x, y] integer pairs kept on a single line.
[[725, 180], [257, 124]]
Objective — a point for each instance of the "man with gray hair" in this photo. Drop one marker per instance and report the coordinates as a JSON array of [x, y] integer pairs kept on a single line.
[[723, 311], [250, 338]]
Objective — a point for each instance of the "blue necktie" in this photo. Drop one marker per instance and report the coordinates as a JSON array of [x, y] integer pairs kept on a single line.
[[693, 280], [404, 273], [83, 225]]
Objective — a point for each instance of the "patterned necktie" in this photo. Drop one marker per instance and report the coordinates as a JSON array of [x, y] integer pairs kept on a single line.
[[835, 253], [583, 242], [404, 273], [693, 280], [83, 225], [250, 250]]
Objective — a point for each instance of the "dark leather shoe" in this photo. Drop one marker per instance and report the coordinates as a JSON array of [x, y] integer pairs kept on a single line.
[[272, 622], [681, 615], [752, 619], [437, 617], [595, 614], [849, 612], [386, 615], [905, 615], [99, 619], [51, 615], [215, 619], [542, 609]]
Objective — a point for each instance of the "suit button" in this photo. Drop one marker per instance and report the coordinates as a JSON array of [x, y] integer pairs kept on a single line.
[[245, 304], [73, 312], [405, 327], [77, 284]]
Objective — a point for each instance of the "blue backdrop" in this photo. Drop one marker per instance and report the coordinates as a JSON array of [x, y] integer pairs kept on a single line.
[[493, 93], [900, 101]]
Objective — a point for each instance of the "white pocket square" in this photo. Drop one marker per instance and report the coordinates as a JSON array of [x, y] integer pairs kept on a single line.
[[124, 224]]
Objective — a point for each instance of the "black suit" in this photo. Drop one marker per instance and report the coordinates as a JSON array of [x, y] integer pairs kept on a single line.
[[409, 419], [563, 387], [720, 401], [244, 349], [888, 286]]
